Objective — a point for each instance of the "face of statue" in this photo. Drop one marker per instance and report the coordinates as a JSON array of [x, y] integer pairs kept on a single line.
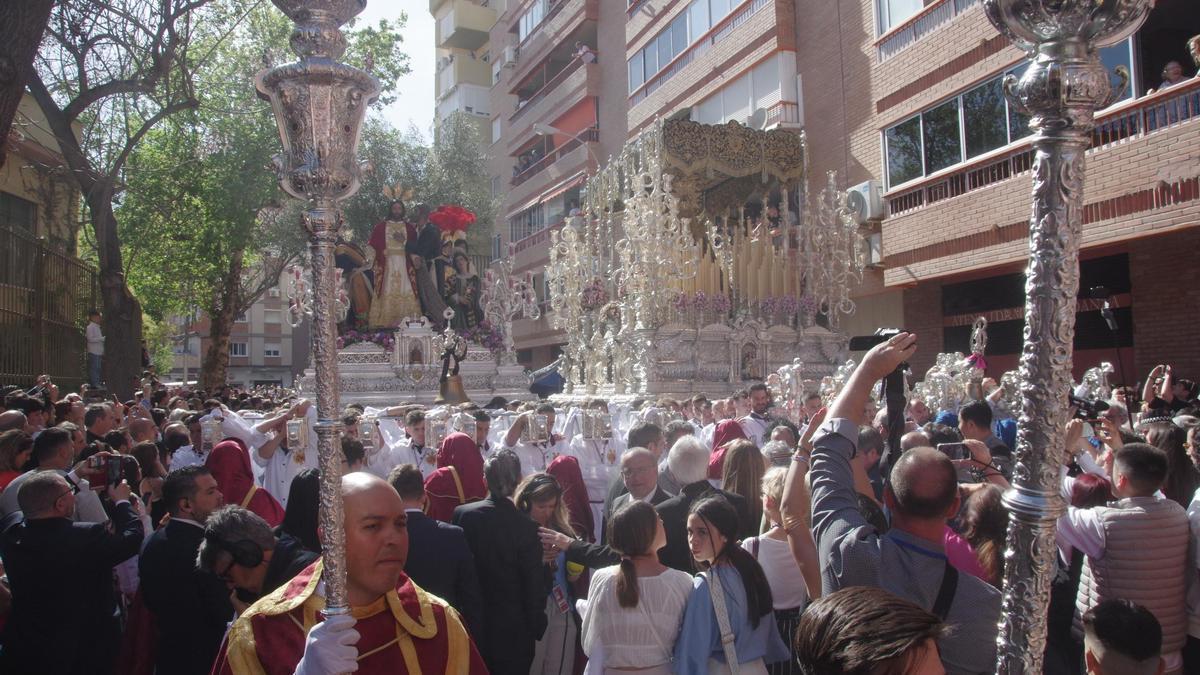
[[396, 211], [461, 264]]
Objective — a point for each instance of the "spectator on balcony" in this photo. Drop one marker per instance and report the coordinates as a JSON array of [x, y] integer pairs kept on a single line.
[[584, 53], [1172, 74]]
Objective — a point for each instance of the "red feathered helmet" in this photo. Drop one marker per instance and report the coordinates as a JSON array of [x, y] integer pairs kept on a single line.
[[451, 219]]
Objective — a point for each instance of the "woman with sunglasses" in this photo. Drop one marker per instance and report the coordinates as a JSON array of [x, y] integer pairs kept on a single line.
[[540, 496], [731, 597]]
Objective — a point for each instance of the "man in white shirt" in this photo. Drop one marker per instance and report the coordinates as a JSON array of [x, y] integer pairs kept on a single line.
[[755, 424], [535, 456], [95, 348], [409, 449], [193, 454], [280, 464]]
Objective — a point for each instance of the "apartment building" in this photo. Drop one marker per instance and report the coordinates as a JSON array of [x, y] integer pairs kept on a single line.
[[464, 73], [558, 102], [907, 93], [264, 348]]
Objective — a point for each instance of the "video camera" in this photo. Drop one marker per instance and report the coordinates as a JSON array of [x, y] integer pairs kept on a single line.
[[1087, 409]]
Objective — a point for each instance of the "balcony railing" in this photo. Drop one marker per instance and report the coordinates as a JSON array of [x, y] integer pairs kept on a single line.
[[587, 136], [550, 85], [713, 36], [919, 25], [1137, 118], [538, 238]]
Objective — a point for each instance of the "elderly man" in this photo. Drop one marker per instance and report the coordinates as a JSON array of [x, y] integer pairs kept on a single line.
[[64, 614], [393, 626], [909, 560], [688, 460]]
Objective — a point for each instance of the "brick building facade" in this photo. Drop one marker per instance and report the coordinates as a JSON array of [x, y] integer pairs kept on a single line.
[[903, 92]]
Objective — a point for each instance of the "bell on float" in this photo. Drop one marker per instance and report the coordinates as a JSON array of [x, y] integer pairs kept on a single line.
[[451, 391]]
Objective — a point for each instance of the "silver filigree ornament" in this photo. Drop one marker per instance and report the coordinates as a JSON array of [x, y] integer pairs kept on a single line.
[[319, 104], [1061, 89]]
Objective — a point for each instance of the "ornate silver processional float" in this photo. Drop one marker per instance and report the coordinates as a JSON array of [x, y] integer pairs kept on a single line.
[[319, 104], [696, 266], [1062, 88]]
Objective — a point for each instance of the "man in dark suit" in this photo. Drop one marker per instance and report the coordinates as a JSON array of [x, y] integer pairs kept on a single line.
[[439, 559], [688, 461], [63, 617], [639, 471], [508, 560], [192, 606], [643, 435]]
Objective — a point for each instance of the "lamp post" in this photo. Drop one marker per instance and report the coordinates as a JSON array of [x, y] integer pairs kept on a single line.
[[319, 105], [1061, 90]]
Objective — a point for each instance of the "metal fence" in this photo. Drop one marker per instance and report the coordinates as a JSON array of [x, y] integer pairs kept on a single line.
[[45, 296]]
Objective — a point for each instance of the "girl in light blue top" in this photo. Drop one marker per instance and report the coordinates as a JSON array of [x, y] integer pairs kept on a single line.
[[712, 527]]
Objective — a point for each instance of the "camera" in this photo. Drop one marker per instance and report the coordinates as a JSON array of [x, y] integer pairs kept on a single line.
[[954, 450], [117, 468], [1087, 409], [862, 343]]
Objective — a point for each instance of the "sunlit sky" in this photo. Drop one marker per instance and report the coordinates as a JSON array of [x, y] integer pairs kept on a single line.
[[414, 101]]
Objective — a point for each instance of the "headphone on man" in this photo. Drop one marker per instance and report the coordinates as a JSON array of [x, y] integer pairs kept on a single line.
[[243, 551]]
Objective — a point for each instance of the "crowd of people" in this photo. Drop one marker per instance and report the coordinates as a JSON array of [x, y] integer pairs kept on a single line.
[[179, 532]]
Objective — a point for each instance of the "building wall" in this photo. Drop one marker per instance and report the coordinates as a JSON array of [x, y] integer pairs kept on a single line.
[[35, 172], [1142, 190]]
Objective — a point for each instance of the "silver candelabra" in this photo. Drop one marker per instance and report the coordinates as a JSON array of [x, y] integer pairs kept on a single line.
[[1061, 90], [319, 105], [505, 297]]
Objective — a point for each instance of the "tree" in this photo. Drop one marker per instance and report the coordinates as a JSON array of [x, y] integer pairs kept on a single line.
[[203, 220], [453, 170], [21, 26]]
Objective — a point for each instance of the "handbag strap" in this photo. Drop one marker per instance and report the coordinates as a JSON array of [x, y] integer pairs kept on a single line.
[[945, 596], [717, 592]]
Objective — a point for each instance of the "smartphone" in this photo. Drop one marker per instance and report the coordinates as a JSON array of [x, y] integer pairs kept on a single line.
[[954, 450]]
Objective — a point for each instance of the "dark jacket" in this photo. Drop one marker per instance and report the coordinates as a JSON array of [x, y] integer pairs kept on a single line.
[[508, 562], [439, 561], [674, 513], [190, 605], [63, 612], [287, 560]]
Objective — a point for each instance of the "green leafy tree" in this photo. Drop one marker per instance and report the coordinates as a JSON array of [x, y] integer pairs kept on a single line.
[[204, 221]]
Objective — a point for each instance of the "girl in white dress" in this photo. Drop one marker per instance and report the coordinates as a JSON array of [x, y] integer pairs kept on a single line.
[[635, 609]]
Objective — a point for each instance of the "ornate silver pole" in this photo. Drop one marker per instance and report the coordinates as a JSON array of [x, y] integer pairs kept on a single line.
[[319, 105], [1062, 88], [505, 297]]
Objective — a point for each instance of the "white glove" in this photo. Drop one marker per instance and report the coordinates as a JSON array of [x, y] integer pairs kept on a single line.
[[330, 647]]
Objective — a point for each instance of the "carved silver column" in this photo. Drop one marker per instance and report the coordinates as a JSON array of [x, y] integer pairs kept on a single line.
[[319, 105], [1062, 88]]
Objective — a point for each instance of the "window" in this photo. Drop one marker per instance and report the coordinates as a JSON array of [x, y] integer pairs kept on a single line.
[[973, 123], [242, 318], [237, 349], [526, 223], [273, 292], [904, 151], [686, 28], [636, 74], [496, 244], [895, 12], [531, 19], [495, 129], [272, 316], [271, 351], [17, 213], [697, 15], [939, 130]]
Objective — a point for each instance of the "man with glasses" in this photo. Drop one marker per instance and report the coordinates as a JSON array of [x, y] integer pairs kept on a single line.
[[64, 617], [55, 449]]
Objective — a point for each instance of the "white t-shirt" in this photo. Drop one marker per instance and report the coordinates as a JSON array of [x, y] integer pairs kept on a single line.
[[282, 467], [788, 590], [95, 339], [635, 637]]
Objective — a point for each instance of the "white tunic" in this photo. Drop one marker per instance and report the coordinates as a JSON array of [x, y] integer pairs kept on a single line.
[[279, 470]]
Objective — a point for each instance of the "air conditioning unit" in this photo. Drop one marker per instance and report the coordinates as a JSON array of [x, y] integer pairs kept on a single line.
[[873, 245], [866, 201], [509, 59]]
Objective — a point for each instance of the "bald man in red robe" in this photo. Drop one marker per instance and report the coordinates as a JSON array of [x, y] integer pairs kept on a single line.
[[393, 625]]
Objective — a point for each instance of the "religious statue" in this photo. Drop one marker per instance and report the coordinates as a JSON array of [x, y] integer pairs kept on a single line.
[[427, 248], [394, 241], [462, 293], [358, 272]]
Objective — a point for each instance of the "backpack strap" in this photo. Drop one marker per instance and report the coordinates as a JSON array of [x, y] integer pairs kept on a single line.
[[945, 596]]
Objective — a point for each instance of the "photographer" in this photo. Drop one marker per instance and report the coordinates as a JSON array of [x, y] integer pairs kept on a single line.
[[54, 449], [910, 560], [64, 612]]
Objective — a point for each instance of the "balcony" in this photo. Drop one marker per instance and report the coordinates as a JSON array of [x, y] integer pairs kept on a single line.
[[459, 69], [465, 26], [469, 98], [1141, 180], [566, 88], [557, 32], [570, 159]]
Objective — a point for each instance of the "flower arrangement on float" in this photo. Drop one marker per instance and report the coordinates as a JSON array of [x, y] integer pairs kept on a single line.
[[383, 338], [486, 335], [594, 295]]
